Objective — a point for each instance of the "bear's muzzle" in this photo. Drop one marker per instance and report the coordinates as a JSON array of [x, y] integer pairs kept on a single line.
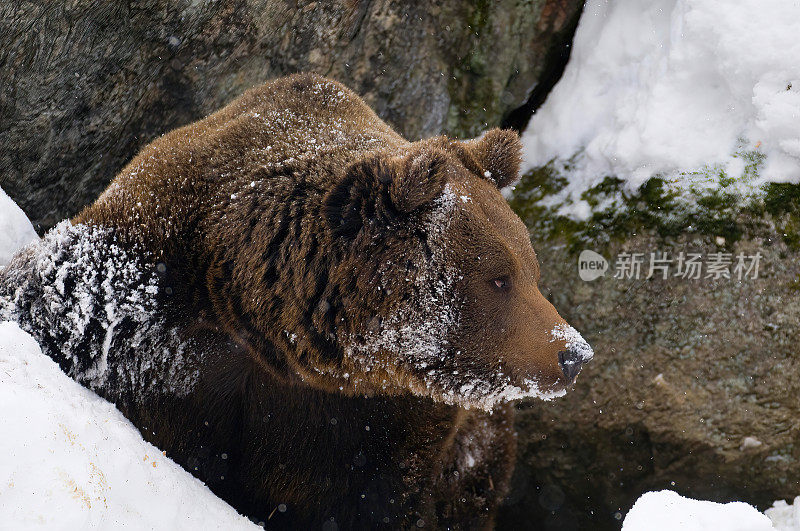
[[571, 360]]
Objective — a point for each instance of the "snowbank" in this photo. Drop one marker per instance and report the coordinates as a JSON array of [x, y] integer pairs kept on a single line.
[[668, 511], [15, 229], [72, 461], [673, 86]]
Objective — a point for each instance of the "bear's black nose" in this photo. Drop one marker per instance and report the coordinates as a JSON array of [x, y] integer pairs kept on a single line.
[[571, 361]]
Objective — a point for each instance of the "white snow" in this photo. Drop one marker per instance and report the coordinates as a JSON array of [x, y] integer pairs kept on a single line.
[[670, 87], [573, 340], [785, 517], [749, 442], [72, 461], [16, 230], [668, 511]]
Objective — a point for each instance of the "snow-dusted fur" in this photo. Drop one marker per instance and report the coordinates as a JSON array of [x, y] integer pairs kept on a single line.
[[93, 308], [417, 333]]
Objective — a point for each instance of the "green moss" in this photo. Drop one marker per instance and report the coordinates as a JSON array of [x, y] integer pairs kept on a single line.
[[704, 204], [782, 202], [782, 198]]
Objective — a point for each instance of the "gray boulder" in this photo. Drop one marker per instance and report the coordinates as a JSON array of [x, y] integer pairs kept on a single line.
[[84, 85]]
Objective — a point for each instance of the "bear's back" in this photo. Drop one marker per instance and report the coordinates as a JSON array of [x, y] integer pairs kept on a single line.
[[302, 124]]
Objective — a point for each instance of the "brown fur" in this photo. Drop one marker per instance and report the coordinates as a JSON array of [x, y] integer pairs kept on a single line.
[[293, 233]]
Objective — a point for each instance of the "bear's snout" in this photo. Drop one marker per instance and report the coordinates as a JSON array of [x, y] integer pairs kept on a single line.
[[575, 353], [571, 360]]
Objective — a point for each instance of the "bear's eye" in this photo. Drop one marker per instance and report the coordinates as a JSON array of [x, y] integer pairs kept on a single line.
[[502, 283]]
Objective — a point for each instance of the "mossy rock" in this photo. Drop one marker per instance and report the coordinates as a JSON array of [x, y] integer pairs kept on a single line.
[[694, 383], [719, 211]]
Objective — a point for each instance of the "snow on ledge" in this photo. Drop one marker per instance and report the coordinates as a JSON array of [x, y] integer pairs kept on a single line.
[[673, 86], [668, 511], [70, 460]]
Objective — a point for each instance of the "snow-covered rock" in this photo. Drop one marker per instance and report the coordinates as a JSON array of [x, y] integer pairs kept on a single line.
[[674, 86], [668, 511], [70, 460], [15, 229]]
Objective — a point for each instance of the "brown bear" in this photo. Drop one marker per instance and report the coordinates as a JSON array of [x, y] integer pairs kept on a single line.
[[321, 320]]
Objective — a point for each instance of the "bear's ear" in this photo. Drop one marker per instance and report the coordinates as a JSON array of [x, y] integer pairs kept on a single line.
[[499, 152], [382, 187], [420, 179]]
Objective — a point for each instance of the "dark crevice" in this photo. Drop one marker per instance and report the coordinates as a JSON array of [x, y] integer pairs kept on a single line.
[[555, 62]]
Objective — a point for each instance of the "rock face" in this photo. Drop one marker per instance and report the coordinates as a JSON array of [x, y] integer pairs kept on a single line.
[[85, 85], [693, 386]]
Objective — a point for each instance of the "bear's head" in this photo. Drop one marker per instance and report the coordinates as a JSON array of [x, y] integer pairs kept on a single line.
[[438, 279]]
